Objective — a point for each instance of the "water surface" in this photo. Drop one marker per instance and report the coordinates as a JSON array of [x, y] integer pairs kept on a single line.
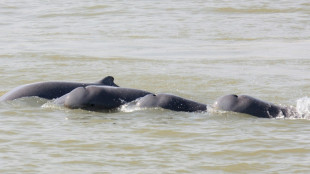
[[199, 50]]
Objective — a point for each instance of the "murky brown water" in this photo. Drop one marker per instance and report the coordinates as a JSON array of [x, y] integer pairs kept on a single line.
[[200, 50]]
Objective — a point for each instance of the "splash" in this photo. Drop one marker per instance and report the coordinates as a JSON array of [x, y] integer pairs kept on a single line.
[[130, 107], [52, 105], [301, 111], [303, 107]]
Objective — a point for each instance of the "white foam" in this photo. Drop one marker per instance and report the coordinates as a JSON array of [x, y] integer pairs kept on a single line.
[[303, 107], [130, 107], [52, 105]]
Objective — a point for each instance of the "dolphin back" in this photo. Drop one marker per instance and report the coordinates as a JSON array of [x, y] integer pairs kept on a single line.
[[51, 90]]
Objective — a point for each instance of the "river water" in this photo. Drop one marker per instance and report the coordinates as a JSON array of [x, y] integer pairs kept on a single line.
[[196, 49]]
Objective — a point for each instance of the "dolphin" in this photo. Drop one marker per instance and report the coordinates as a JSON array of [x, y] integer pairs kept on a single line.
[[250, 105], [99, 98], [171, 102], [51, 90]]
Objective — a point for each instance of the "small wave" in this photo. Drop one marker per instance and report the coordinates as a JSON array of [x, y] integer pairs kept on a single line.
[[130, 107], [52, 105], [26, 102], [257, 10], [213, 109]]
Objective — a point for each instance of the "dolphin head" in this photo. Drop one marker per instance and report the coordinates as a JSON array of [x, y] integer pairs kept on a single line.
[[93, 98], [248, 105], [226, 102], [77, 98], [148, 101]]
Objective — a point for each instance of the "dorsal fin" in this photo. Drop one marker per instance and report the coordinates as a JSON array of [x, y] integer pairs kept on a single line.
[[109, 81]]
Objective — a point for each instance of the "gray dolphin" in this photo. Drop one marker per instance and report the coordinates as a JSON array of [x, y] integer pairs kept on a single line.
[[97, 98], [249, 105], [172, 102], [51, 90]]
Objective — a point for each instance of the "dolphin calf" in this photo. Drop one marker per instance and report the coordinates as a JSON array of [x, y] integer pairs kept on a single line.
[[171, 102], [250, 105], [51, 90]]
